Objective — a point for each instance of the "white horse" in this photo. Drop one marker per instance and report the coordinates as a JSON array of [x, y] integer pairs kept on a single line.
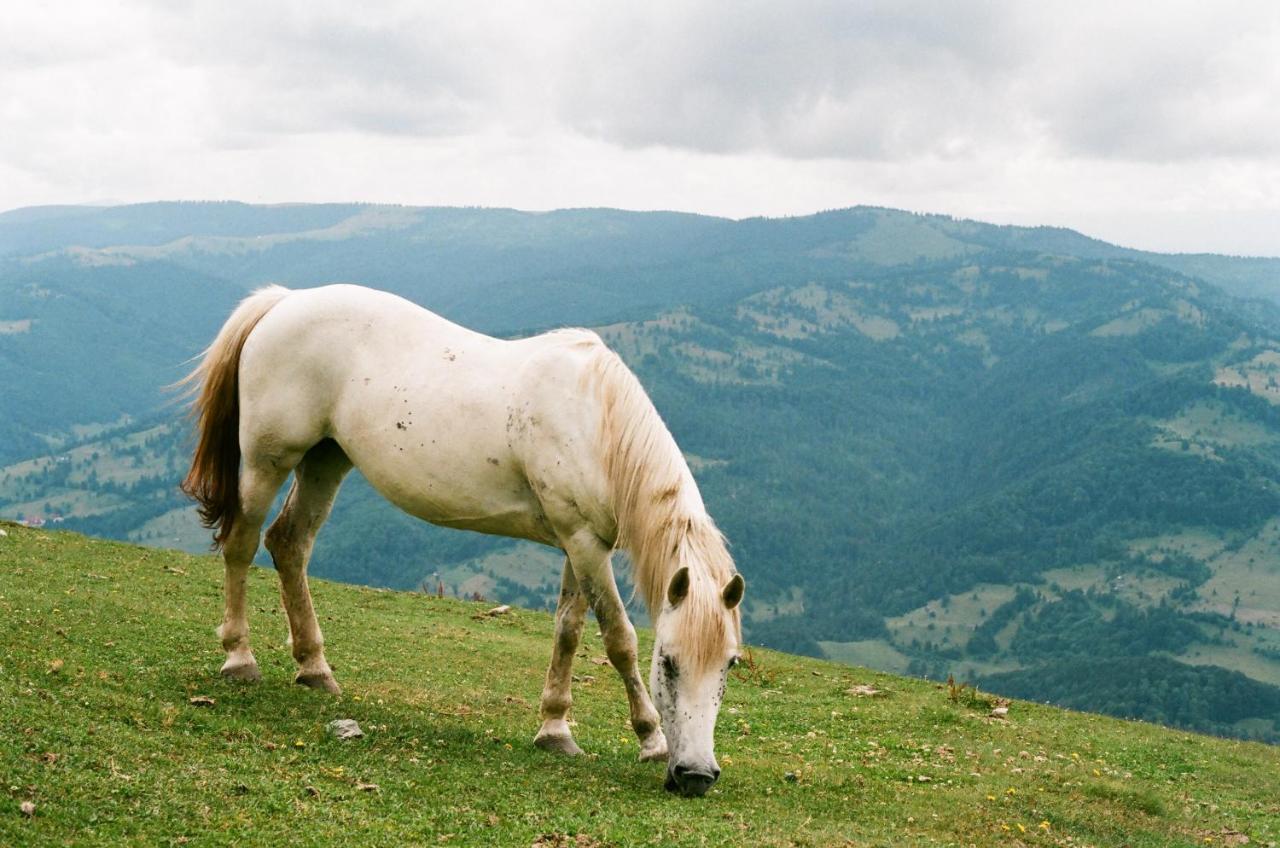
[[549, 438]]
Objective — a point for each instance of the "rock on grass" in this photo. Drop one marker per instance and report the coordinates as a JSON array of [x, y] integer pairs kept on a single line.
[[345, 728]]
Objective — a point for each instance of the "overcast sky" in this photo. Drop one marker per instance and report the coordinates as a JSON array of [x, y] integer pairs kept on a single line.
[[1151, 124]]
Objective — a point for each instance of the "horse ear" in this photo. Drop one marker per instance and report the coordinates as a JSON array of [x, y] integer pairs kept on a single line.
[[733, 590], [678, 587]]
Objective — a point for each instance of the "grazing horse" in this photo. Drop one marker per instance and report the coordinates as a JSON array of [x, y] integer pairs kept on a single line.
[[549, 438]]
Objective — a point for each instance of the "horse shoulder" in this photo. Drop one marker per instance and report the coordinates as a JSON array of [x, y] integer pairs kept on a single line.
[[555, 428]]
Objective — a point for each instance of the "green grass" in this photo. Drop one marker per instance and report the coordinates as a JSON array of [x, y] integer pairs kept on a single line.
[[1215, 424], [953, 621], [531, 566], [102, 646], [178, 529], [1251, 572], [875, 653]]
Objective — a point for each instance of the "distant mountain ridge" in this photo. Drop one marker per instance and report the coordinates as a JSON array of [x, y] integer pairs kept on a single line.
[[936, 445], [33, 230]]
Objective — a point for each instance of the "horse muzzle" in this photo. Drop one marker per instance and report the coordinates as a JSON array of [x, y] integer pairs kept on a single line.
[[691, 782]]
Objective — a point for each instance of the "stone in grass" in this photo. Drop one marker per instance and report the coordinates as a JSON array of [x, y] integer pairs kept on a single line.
[[493, 613], [345, 728], [28, 809], [565, 840]]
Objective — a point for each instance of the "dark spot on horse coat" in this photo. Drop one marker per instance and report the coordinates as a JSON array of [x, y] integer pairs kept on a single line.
[[493, 460], [567, 639], [400, 425]]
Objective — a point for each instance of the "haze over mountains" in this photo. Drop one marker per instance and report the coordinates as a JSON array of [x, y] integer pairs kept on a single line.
[[1016, 454]]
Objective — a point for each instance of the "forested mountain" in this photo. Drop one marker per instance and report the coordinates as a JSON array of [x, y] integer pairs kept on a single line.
[[937, 446]]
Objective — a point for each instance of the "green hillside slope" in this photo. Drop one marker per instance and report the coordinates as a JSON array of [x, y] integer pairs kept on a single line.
[[103, 646]]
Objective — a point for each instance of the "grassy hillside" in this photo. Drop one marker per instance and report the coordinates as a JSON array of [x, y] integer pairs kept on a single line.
[[103, 646]]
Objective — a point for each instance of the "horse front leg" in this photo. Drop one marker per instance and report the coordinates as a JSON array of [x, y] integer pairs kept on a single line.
[[557, 697], [620, 646], [594, 573]]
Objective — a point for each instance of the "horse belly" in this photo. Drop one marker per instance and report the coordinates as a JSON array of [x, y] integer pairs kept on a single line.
[[441, 454]]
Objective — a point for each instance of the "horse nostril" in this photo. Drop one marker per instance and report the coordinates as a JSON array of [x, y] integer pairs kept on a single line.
[[691, 781]]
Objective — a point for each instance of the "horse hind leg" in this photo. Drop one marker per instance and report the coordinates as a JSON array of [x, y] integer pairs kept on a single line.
[[290, 540], [258, 487]]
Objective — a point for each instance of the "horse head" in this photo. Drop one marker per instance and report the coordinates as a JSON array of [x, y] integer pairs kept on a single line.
[[696, 642]]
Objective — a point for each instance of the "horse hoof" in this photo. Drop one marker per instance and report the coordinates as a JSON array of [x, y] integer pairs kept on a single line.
[[318, 680], [241, 671], [654, 749], [557, 744]]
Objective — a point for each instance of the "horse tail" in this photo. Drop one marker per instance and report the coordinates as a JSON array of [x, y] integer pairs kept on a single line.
[[214, 479]]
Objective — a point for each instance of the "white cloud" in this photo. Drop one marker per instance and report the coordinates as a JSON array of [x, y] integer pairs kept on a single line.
[[1152, 124], [839, 80]]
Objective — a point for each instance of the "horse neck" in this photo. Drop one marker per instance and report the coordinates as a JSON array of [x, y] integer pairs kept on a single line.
[[657, 508], [684, 536]]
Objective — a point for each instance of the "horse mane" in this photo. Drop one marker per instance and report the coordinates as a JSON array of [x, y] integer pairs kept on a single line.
[[661, 519]]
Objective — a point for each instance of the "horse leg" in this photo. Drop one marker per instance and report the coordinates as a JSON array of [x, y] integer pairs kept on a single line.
[[258, 486], [620, 645], [289, 541], [554, 735], [595, 576]]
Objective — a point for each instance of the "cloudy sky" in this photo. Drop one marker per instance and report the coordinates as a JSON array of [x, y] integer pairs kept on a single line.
[[1152, 124]]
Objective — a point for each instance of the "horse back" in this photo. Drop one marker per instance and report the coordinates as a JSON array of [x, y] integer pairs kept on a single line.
[[453, 426]]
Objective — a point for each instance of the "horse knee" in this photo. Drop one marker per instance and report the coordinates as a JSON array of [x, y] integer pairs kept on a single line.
[[240, 547], [278, 560], [277, 536], [620, 646], [284, 544]]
